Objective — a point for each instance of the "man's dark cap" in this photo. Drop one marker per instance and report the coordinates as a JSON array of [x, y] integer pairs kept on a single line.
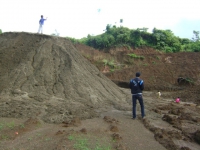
[[137, 74]]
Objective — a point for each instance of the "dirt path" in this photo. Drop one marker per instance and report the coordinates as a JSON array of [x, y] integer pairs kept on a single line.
[[133, 132]]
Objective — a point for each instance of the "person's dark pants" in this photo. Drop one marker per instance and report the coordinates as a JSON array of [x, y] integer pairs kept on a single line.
[[134, 100]]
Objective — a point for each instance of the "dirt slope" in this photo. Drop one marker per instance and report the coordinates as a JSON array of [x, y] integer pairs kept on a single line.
[[160, 71], [46, 76]]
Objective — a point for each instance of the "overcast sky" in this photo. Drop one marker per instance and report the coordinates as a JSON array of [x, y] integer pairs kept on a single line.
[[78, 18]]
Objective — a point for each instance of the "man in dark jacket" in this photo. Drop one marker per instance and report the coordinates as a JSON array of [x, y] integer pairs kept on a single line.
[[137, 86]]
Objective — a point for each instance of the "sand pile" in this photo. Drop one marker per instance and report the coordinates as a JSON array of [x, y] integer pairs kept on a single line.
[[46, 76]]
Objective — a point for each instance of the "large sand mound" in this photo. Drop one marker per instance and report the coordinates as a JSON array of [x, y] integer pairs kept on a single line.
[[46, 76]]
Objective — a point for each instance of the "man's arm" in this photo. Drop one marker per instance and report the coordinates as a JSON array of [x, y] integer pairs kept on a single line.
[[142, 85]]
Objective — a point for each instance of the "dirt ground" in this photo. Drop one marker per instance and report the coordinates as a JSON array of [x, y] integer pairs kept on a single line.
[[52, 98], [167, 126]]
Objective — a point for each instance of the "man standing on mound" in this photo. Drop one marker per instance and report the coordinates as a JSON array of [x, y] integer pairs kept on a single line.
[[41, 23], [137, 86]]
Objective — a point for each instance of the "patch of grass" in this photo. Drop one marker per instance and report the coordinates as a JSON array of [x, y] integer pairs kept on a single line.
[[82, 143], [153, 62], [110, 63], [71, 137], [157, 57], [132, 55], [4, 137], [30, 138], [112, 70], [113, 140], [1, 126], [22, 126], [47, 139], [145, 64], [99, 147], [9, 125]]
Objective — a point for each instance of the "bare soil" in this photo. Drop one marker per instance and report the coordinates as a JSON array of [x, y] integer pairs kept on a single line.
[[160, 71], [52, 98], [167, 126]]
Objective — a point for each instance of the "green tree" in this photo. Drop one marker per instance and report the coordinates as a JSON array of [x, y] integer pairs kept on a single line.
[[108, 27], [165, 39], [196, 36], [0, 31], [193, 47], [136, 38]]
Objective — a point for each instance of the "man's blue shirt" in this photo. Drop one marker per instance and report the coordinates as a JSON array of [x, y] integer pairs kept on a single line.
[[41, 22]]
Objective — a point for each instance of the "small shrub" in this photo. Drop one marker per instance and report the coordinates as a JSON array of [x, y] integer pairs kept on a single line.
[[189, 80], [109, 63], [105, 61]]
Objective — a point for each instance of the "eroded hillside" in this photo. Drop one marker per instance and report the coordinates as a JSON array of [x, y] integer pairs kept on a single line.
[[160, 71]]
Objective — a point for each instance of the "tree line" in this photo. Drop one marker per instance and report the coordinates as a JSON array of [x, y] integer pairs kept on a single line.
[[163, 40]]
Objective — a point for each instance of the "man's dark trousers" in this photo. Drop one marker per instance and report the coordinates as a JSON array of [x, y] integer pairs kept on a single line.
[[140, 99]]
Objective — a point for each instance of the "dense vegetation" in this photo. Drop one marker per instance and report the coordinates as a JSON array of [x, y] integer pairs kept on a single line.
[[163, 40]]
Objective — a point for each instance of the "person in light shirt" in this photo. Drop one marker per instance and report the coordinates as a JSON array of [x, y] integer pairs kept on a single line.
[[159, 94], [41, 23]]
